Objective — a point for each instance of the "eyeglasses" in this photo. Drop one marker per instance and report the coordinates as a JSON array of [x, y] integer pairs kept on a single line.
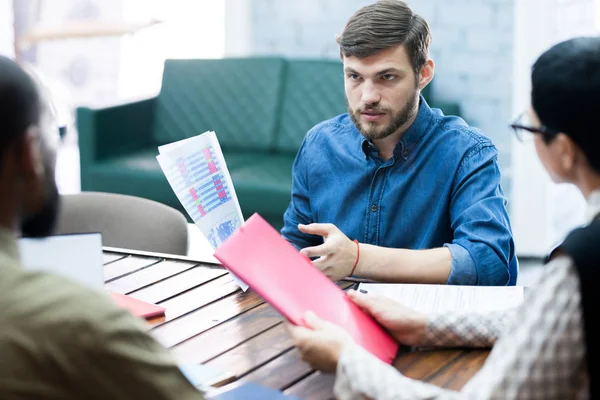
[[524, 130]]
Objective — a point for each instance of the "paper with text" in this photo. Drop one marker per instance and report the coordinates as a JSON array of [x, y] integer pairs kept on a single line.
[[77, 257], [197, 173], [442, 298]]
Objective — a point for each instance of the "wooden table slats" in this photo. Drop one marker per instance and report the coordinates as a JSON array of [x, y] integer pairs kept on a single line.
[[458, 373], [317, 386], [148, 276], [270, 373], [196, 322], [180, 283], [418, 364], [195, 299], [223, 337], [126, 266], [209, 320], [110, 257], [255, 352]]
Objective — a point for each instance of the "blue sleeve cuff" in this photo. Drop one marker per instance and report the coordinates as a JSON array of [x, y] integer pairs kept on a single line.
[[464, 271]]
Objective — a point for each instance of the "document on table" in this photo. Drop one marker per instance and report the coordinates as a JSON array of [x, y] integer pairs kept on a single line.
[[197, 173], [442, 298], [77, 257]]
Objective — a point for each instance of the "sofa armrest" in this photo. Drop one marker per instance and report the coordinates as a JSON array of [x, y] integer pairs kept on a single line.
[[448, 108], [114, 131]]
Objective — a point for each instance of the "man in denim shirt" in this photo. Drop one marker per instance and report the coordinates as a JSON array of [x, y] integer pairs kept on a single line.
[[419, 192]]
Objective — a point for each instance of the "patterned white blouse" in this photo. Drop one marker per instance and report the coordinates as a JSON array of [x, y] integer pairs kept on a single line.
[[538, 349]]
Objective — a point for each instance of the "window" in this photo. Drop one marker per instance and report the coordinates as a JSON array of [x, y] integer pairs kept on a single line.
[[190, 29]]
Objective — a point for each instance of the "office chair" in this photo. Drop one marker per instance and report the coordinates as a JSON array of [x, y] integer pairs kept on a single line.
[[126, 222]]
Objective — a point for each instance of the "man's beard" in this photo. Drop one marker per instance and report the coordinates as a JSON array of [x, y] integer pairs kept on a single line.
[[371, 131], [43, 222]]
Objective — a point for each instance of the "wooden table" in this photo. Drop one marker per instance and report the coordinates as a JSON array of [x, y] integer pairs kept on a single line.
[[209, 320]]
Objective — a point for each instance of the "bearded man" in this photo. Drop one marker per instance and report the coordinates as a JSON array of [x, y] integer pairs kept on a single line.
[[394, 190]]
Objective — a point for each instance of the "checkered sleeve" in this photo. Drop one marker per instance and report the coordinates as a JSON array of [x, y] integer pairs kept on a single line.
[[463, 329], [540, 354], [360, 375]]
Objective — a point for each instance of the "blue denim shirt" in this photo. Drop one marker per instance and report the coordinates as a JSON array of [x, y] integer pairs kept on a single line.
[[440, 188]]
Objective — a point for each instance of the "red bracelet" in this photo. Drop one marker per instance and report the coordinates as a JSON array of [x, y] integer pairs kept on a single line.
[[357, 257]]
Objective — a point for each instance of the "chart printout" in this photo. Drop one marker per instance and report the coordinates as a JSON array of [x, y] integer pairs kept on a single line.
[[197, 173]]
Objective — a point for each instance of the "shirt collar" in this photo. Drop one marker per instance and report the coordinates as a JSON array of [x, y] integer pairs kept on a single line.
[[8, 246], [593, 206], [413, 135]]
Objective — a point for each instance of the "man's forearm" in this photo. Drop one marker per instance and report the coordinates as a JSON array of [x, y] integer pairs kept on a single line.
[[404, 266]]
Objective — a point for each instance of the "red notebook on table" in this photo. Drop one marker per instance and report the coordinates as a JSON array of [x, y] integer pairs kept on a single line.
[[137, 307], [287, 280]]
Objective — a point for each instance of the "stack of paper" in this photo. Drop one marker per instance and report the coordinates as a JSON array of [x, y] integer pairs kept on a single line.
[[197, 173], [449, 298], [77, 257]]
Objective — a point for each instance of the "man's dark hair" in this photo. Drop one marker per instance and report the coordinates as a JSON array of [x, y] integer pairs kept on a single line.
[[565, 92], [20, 103], [383, 25]]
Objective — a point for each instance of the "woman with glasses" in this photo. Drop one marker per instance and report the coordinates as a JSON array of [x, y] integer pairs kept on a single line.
[[545, 349]]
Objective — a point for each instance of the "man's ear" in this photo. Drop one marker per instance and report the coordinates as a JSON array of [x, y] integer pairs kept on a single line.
[[30, 153], [426, 73], [566, 151]]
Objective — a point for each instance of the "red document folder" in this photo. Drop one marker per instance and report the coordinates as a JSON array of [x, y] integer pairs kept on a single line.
[[137, 307], [287, 280]]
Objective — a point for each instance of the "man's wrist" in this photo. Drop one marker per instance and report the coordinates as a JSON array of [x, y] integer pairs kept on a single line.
[[357, 258]]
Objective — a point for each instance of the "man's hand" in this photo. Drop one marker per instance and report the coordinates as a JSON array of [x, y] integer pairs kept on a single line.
[[321, 343], [336, 256], [407, 326]]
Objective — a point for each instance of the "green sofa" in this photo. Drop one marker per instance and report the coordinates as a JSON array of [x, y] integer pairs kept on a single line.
[[260, 109]]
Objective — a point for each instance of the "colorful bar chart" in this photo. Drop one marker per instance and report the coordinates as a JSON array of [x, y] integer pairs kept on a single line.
[[197, 172], [207, 185]]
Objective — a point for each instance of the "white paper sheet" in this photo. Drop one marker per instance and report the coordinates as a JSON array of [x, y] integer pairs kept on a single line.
[[77, 257], [442, 298], [196, 170]]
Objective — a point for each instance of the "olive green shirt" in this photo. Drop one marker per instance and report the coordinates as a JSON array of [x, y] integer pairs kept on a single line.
[[62, 341]]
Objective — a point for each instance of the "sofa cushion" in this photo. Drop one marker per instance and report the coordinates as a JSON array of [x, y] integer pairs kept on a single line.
[[236, 98], [265, 186], [145, 161], [313, 92], [262, 182], [136, 176]]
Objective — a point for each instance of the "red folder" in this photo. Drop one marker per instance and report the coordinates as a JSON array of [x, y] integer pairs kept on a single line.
[[287, 280], [137, 307]]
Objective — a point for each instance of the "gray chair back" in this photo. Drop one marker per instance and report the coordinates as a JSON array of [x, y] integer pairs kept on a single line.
[[125, 221]]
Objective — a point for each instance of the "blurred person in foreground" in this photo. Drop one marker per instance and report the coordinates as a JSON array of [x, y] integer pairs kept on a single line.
[[59, 340]]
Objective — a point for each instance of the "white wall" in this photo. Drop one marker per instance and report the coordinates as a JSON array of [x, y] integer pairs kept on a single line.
[[85, 69], [6, 29], [238, 28], [543, 212], [189, 29]]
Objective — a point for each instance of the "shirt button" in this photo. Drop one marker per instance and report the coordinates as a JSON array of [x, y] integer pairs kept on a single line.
[[374, 208]]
